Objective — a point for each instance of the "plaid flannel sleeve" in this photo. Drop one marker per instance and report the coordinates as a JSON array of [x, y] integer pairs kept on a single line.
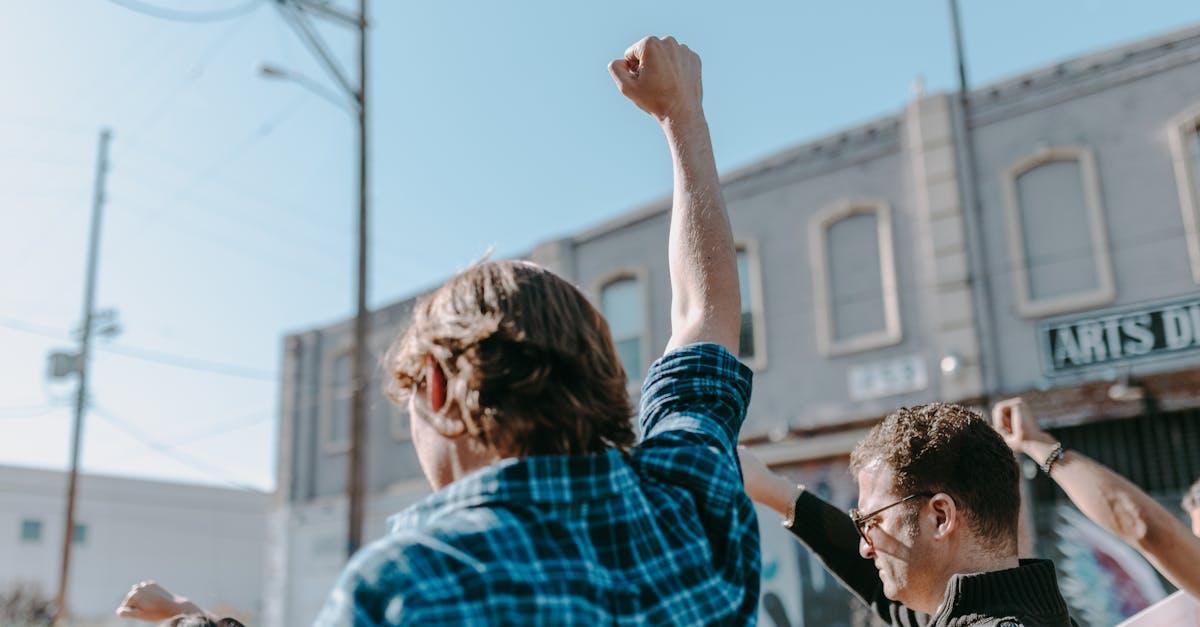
[[698, 393]]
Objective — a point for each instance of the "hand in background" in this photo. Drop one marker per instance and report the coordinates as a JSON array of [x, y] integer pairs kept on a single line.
[[149, 601], [1016, 424]]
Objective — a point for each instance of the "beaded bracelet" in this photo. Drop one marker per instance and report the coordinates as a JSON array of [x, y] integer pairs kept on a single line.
[[1054, 456]]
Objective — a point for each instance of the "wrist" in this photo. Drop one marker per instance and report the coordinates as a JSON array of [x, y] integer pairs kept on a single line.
[[784, 497], [1038, 446], [682, 119], [185, 606]]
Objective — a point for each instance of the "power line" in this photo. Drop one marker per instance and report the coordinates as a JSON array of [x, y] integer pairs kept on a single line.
[[190, 363], [197, 70], [166, 450], [22, 413], [240, 421], [175, 15], [150, 355], [219, 164]]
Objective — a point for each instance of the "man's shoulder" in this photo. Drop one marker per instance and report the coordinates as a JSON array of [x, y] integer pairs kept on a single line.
[[441, 542], [700, 390]]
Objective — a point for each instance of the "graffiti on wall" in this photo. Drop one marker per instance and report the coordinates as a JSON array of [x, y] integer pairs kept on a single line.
[[1092, 560]]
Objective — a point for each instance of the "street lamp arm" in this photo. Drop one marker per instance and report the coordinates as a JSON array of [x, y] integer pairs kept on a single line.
[[311, 39], [325, 9], [326, 94]]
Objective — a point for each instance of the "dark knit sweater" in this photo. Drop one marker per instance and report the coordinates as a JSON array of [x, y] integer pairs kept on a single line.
[[1026, 596]]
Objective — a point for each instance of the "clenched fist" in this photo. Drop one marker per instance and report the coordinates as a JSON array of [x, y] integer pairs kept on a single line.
[[1017, 425], [661, 76], [149, 601]]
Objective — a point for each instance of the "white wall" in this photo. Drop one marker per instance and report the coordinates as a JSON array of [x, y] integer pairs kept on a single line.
[[203, 542], [315, 549]]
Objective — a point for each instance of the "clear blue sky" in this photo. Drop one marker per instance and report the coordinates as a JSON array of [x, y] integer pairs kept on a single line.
[[231, 198]]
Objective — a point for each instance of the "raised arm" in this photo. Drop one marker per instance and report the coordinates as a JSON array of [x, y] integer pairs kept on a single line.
[[829, 533], [662, 77], [1108, 499]]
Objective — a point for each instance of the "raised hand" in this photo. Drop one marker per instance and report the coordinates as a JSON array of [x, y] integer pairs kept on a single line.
[[661, 76], [149, 601], [1015, 423]]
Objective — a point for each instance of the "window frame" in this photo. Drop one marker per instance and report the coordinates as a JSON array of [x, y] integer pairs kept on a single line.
[[818, 229], [638, 274], [328, 396], [1105, 291], [757, 306], [1187, 180], [41, 530]]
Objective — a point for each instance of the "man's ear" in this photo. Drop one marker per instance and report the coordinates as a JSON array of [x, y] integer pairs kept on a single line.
[[947, 518], [435, 384]]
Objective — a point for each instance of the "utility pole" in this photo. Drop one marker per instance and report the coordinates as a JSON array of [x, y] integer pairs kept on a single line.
[[89, 294], [297, 13], [362, 320], [972, 220]]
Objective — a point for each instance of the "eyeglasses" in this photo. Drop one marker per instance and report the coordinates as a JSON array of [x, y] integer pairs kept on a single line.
[[864, 522]]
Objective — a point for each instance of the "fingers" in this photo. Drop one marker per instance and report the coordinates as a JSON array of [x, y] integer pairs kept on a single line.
[[622, 75], [636, 53], [1002, 413]]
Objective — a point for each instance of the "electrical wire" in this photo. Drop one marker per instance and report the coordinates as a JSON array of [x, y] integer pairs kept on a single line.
[[236, 423], [150, 355], [210, 51], [175, 15], [23, 413], [212, 472]]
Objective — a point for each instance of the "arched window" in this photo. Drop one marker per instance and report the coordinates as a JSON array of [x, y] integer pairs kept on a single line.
[[622, 301], [752, 345], [338, 394], [1057, 233], [1184, 132], [854, 278]]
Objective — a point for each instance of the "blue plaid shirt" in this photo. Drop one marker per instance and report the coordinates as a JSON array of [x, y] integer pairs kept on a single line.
[[663, 535]]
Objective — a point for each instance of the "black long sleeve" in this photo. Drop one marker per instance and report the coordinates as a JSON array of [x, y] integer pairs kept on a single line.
[[829, 533]]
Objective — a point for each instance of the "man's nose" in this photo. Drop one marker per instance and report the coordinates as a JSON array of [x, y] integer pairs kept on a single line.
[[865, 549]]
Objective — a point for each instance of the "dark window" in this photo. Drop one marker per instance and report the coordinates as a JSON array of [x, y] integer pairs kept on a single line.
[[31, 530], [746, 288]]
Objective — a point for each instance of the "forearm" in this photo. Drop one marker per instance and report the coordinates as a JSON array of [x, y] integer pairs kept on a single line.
[[1120, 507], [829, 533], [705, 304]]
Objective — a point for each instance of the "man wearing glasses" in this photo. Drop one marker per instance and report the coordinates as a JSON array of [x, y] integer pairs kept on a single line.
[[933, 541]]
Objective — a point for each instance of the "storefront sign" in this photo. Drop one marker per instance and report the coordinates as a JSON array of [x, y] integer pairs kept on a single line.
[[1121, 335], [887, 378]]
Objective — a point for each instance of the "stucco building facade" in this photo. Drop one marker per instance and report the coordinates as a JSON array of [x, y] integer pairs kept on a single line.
[[1040, 236]]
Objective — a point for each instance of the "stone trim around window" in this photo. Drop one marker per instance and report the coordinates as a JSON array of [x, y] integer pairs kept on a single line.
[[1105, 290], [639, 274], [818, 228], [1180, 130], [328, 395], [758, 362]]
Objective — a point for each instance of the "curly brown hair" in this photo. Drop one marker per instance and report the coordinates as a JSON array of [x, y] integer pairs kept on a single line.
[[530, 364], [948, 448]]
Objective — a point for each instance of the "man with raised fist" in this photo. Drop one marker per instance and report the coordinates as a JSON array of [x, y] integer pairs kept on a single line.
[[545, 511]]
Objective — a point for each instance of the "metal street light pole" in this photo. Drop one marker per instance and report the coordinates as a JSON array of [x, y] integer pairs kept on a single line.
[[973, 219], [296, 13], [85, 346], [362, 315]]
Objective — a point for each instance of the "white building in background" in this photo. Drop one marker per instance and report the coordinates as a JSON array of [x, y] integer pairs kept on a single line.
[[204, 542]]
